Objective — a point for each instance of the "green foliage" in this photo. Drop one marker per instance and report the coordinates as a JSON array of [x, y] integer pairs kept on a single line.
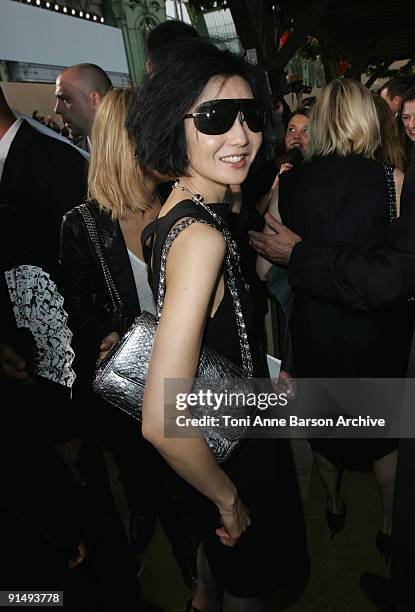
[[310, 49]]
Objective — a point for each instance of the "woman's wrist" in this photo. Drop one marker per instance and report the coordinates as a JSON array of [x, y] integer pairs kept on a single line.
[[229, 512], [227, 505]]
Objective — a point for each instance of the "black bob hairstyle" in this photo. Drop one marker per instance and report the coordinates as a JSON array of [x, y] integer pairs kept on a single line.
[[155, 122], [167, 32]]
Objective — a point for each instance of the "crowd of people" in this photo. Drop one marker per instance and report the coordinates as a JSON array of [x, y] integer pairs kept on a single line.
[[50, 123], [180, 162]]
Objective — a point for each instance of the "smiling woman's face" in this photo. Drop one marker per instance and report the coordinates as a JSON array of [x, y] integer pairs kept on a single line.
[[222, 159], [408, 119]]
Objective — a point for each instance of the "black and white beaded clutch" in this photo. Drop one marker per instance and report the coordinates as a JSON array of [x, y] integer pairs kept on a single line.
[[38, 308]]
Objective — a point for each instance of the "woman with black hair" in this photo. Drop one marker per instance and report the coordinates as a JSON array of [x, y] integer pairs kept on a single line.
[[199, 118]]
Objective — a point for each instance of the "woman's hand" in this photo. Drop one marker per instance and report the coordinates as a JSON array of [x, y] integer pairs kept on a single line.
[[234, 523], [286, 384], [285, 167], [14, 366], [78, 557], [107, 344]]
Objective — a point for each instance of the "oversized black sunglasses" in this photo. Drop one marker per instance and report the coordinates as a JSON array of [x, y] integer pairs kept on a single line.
[[218, 116]]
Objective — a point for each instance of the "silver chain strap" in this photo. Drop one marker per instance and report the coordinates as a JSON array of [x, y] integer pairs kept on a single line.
[[242, 335], [390, 181], [198, 199], [91, 227]]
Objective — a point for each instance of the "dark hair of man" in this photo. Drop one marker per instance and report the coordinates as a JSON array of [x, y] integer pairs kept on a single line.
[[156, 123], [396, 87], [168, 32]]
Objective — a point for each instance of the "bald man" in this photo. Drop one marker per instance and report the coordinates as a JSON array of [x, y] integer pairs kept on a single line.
[[79, 91]]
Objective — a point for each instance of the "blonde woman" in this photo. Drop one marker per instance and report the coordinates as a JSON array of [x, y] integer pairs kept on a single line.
[[343, 195], [122, 201]]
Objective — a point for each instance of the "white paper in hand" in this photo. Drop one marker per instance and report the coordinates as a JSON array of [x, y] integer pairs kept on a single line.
[[274, 366]]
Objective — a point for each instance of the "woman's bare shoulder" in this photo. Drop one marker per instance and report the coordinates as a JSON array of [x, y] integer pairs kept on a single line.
[[200, 237]]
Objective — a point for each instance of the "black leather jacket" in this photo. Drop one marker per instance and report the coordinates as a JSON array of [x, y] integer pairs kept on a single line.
[[87, 302]]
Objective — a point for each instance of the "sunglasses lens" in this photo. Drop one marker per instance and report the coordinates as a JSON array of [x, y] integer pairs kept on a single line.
[[218, 116], [254, 119], [215, 118]]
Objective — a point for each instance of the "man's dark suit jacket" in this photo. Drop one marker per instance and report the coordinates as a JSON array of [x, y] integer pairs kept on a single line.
[[367, 280], [40, 502], [42, 179]]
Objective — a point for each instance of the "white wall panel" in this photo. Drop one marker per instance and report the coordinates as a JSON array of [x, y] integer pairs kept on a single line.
[[34, 35]]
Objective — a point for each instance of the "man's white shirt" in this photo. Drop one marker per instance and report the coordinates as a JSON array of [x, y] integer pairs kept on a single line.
[[6, 142]]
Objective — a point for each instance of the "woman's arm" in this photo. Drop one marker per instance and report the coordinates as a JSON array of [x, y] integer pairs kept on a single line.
[[192, 284], [79, 281], [262, 264], [264, 202]]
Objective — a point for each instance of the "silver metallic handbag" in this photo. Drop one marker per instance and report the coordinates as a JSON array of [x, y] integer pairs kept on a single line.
[[120, 378]]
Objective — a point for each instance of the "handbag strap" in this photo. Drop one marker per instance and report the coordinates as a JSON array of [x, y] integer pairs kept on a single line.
[[92, 230], [231, 260], [390, 182]]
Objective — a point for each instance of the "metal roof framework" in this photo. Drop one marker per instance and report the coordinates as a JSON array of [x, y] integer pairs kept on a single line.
[[362, 32]]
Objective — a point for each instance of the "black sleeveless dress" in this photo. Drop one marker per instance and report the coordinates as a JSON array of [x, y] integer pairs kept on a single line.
[[344, 202], [272, 552]]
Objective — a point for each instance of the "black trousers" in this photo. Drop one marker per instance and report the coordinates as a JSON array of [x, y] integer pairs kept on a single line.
[[45, 514], [403, 536]]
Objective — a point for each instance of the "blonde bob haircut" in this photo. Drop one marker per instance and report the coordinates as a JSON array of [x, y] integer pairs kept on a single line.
[[344, 121], [115, 180]]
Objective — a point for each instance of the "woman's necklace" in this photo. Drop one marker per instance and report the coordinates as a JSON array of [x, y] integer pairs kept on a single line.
[[198, 199]]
